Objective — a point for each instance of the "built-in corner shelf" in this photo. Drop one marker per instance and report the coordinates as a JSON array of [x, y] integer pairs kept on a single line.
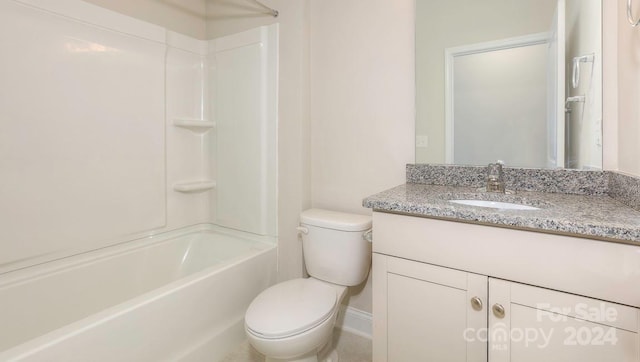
[[194, 186], [194, 125]]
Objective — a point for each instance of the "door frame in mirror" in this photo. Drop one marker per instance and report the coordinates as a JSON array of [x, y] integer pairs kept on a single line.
[[451, 53]]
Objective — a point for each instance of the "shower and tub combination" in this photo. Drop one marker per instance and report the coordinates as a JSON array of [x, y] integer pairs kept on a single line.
[[138, 189]]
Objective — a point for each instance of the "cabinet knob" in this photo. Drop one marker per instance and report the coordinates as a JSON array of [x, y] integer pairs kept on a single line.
[[476, 303], [498, 310]]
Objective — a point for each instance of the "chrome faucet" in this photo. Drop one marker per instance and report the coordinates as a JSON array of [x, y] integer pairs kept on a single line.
[[495, 177]]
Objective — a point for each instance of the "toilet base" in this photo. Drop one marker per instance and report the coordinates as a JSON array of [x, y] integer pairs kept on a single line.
[[332, 357], [327, 353], [312, 357]]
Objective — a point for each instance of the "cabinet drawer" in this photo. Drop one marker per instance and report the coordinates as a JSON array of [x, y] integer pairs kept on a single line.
[[430, 273], [593, 268]]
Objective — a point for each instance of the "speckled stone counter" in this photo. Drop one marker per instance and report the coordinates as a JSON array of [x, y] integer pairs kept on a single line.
[[581, 203]]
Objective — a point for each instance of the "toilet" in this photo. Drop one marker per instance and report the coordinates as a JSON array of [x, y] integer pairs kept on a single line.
[[294, 320]]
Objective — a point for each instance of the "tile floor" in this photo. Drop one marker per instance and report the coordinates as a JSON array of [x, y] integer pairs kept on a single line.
[[351, 348]]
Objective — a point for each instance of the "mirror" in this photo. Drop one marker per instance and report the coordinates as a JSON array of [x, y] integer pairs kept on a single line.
[[512, 80]]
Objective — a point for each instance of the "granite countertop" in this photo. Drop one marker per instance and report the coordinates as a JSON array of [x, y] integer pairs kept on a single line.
[[596, 216]]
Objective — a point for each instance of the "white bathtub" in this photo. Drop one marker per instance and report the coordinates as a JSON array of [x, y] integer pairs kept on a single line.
[[177, 296]]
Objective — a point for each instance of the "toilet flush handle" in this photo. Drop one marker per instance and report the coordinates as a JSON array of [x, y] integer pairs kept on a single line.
[[368, 235], [302, 230]]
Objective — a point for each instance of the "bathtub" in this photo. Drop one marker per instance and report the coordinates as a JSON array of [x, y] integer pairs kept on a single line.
[[176, 296]]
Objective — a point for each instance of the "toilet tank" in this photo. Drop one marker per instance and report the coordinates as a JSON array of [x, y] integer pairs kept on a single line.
[[334, 247]]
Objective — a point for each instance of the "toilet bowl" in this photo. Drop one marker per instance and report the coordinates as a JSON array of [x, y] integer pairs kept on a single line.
[[293, 321]]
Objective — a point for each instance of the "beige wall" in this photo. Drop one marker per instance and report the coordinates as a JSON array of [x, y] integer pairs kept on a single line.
[[228, 17], [628, 149], [362, 104], [182, 16], [610, 86]]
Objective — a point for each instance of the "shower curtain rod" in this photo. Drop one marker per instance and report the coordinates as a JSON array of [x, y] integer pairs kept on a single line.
[[271, 11]]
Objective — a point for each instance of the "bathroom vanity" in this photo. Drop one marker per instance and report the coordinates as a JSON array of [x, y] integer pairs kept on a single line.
[[454, 282]]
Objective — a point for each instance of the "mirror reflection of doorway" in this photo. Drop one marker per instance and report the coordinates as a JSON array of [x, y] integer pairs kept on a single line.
[[497, 103]]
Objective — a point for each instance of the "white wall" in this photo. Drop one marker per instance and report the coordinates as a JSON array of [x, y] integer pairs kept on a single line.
[[229, 17], [188, 153], [182, 16], [362, 103], [243, 99], [88, 158]]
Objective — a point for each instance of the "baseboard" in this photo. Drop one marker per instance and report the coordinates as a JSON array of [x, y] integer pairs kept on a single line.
[[355, 321]]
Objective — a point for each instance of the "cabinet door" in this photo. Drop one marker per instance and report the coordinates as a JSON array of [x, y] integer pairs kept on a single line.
[[427, 313], [530, 324]]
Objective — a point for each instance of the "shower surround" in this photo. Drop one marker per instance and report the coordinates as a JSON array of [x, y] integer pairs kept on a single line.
[[114, 130]]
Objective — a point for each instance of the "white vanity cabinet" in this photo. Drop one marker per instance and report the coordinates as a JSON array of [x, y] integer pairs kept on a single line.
[[422, 311], [446, 291], [530, 324]]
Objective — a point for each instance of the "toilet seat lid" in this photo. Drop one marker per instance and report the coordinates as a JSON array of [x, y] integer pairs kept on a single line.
[[290, 308]]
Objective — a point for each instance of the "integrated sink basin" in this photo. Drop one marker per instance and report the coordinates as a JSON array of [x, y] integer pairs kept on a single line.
[[494, 204]]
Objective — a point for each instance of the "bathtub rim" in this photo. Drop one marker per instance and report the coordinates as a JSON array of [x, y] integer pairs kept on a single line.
[[27, 273], [55, 336]]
